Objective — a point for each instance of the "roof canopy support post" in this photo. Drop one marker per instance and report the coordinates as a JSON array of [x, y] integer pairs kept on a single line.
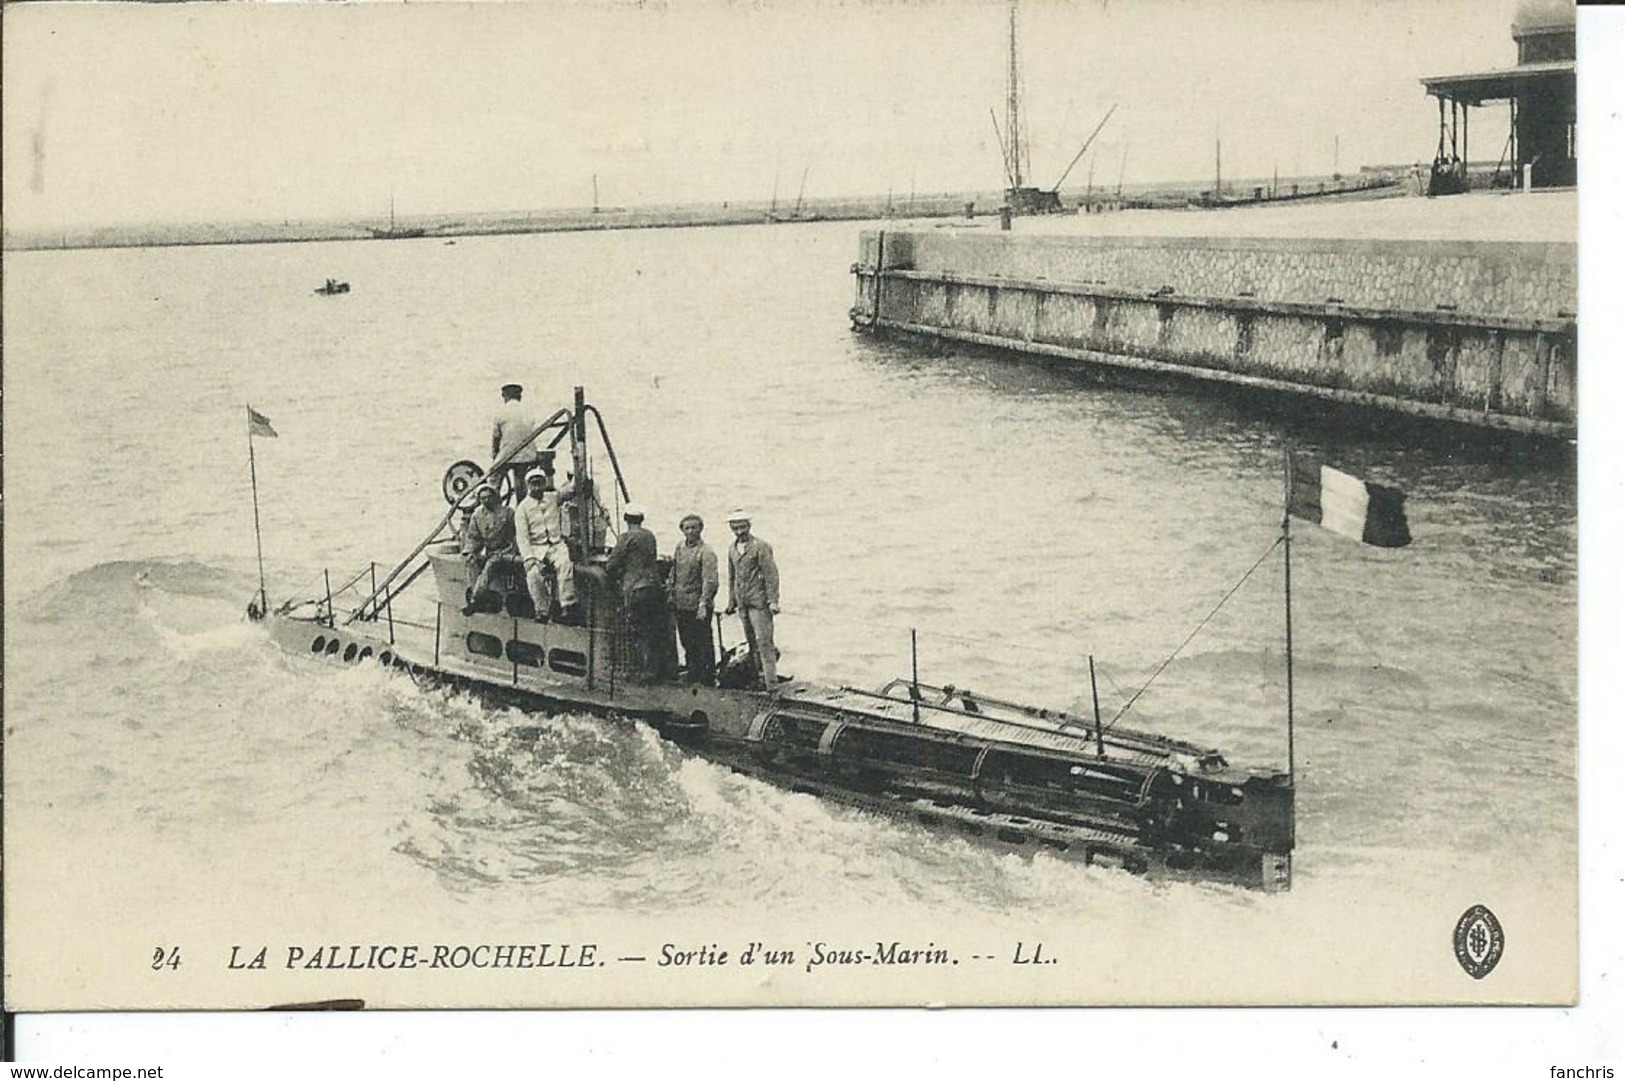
[[1464, 108], [1512, 142]]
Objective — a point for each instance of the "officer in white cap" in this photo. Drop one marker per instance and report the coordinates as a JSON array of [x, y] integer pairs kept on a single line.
[[539, 529], [513, 425], [633, 567], [753, 592]]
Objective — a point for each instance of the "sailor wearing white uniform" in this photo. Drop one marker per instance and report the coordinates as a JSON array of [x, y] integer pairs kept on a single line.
[[539, 528], [513, 424]]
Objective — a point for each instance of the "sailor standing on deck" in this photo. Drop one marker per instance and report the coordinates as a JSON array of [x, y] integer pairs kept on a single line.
[[539, 530], [513, 425], [633, 566], [753, 591], [693, 596]]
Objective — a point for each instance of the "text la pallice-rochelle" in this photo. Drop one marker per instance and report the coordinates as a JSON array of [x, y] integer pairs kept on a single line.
[[411, 956]]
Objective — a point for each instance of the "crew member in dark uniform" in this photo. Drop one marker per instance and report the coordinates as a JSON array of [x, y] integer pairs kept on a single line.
[[633, 568]]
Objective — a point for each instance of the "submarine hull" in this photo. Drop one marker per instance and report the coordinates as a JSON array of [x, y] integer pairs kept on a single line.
[[947, 761]]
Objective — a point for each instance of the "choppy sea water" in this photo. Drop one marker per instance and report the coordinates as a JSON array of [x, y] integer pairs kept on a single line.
[[1020, 517]]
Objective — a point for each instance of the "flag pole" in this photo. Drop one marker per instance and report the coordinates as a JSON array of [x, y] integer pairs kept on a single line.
[[1286, 540], [914, 660], [254, 483]]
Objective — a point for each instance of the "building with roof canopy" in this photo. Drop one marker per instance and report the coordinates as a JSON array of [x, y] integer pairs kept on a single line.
[[1539, 148]]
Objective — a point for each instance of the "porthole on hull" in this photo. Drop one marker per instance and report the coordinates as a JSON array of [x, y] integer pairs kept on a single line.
[[319, 643], [567, 662], [333, 646], [349, 652], [526, 653]]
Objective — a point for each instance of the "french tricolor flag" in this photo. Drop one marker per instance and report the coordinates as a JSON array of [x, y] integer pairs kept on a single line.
[[1373, 513], [260, 424]]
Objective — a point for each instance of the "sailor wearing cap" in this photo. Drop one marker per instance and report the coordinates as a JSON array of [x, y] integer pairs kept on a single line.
[[693, 595], [633, 567], [539, 529], [513, 425], [753, 592], [488, 542]]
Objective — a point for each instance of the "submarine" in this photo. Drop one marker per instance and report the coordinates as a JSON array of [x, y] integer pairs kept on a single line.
[[992, 769]]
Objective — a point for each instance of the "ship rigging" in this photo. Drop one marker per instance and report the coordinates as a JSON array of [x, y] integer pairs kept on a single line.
[[1020, 196]]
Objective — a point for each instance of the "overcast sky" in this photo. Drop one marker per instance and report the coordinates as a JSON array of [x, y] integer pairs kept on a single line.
[[117, 114]]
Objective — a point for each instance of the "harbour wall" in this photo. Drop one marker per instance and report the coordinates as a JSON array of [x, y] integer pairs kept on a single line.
[[1479, 332]]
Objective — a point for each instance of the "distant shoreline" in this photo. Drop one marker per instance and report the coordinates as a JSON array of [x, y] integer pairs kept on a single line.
[[444, 227], [575, 221]]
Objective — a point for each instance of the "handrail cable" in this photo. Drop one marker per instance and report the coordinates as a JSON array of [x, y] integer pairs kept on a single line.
[[378, 602], [1194, 632], [827, 619]]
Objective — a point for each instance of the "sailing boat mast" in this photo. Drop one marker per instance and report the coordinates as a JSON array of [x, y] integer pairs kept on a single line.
[[393, 233], [1020, 197], [1012, 109], [801, 190]]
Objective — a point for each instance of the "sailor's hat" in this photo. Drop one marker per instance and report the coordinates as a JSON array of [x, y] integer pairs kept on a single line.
[[633, 511], [738, 514], [536, 474]]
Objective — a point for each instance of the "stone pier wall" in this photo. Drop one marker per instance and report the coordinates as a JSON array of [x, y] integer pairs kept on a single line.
[[1477, 332]]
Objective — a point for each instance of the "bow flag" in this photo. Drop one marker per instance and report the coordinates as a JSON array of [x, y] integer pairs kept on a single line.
[[260, 424], [1373, 513]]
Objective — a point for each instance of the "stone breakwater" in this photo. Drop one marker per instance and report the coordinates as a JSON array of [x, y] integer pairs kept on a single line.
[[1475, 332]]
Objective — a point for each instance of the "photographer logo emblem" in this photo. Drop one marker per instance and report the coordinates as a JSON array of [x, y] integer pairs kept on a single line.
[[1479, 941]]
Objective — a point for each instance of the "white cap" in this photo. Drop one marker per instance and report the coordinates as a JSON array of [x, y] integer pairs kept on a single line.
[[739, 514], [633, 510], [484, 486], [535, 474]]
